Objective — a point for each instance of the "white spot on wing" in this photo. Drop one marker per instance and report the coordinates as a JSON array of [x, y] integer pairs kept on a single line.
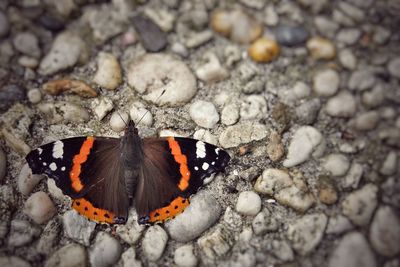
[[53, 166], [205, 166], [196, 168], [213, 163], [58, 150], [208, 179], [200, 149], [44, 164], [217, 150], [63, 168], [40, 151]]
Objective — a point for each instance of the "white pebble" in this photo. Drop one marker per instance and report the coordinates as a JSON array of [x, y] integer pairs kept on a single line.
[[212, 71], [106, 250], [204, 114], [101, 106], [336, 164], [154, 242], [206, 136], [139, 113], [108, 73], [184, 256], [119, 121], [248, 203], [347, 59], [389, 166], [39, 207], [365, 121], [27, 181], [230, 114], [301, 90], [341, 105], [394, 67], [34, 96], [326, 82]]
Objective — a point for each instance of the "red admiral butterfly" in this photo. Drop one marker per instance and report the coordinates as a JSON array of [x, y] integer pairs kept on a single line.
[[104, 176]]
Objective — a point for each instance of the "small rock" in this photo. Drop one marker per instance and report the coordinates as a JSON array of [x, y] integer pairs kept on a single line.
[[272, 181], [353, 176], [365, 121], [67, 49], [162, 17], [63, 111], [301, 90], [28, 62], [205, 136], [347, 59], [321, 48], [204, 114], [248, 203], [139, 114], [282, 250], [105, 251], [306, 233], [216, 244], [3, 164], [242, 133], [361, 80], [184, 256], [336, 164], [348, 36], [375, 97], [232, 219], [151, 36], [352, 11], [180, 49], [291, 35], [394, 67], [271, 17], [275, 148], [253, 87], [102, 106], [4, 25], [232, 54], [385, 232], [338, 225], [196, 39], [13, 261], [108, 73], [390, 190], [22, 233], [326, 26], [49, 238], [9, 95], [253, 107], [230, 114], [52, 22], [308, 111], [15, 143], [39, 207], [326, 191], [352, 251], [154, 242], [306, 141], [341, 105], [34, 96], [119, 121], [212, 71], [326, 82], [68, 255], [56, 87], [264, 50], [264, 222], [77, 227], [27, 43], [27, 181], [128, 259], [360, 205], [250, 174], [173, 78], [203, 211], [381, 35], [131, 231], [389, 166]]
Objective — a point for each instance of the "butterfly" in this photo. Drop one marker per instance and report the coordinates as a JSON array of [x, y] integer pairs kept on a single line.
[[104, 176]]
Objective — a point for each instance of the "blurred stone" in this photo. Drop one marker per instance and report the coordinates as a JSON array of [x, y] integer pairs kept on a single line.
[[291, 35], [151, 36], [264, 50]]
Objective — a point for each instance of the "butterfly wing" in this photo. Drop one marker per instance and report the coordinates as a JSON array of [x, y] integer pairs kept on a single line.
[[88, 170], [173, 169]]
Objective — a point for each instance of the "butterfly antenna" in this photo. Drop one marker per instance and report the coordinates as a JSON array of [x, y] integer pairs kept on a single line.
[[119, 114], [147, 111]]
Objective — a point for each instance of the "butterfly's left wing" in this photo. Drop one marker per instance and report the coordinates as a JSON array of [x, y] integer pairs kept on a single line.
[[173, 169]]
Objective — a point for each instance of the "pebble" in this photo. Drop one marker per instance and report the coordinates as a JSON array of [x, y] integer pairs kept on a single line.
[[291, 35], [180, 49], [390, 189], [108, 73], [232, 219], [338, 224], [34, 96], [253, 107], [271, 17], [361, 80], [250, 174], [326, 82], [347, 59], [253, 87], [394, 67], [336, 164], [203, 211], [180, 84], [106, 23], [204, 114], [264, 222], [10, 94], [384, 233], [359, 205], [28, 62], [128, 259], [101, 106], [151, 36], [49, 237], [242, 133], [365, 121], [22, 233], [184, 256], [342, 105], [105, 251], [68, 255], [13, 261], [78, 228], [205, 136], [326, 26], [374, 97], [67, 50], [27, 181], [353, 176], [212, 71], [275, 148], [307, 112], [15, 143], [306, 141], [321, 48], [348, 36], [230, 114], [39, 207], [119, 121], [232, 54], [197, 39], [282, 250], [27, 43], [162, 17], [154, 242], [236, 25], [248, 203], [139, 113], [216, 244], [326, 191], [57, 112], [353, 250], [264, 50], [306, 233], [4, 25], [56, 87], [301, 90], [389, 165], [131, 231], [52, 22], [3, 164], [272, 181], [352, 11]]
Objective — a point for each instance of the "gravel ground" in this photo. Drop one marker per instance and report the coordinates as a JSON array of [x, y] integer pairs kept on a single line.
[[304, 95]]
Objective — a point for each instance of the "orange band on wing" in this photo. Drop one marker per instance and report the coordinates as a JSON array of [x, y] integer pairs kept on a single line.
[[85, 208], [77, 163], [182, 160], [177, 206]]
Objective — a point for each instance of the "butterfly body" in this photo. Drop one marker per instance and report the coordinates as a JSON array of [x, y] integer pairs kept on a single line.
[[105, 176]]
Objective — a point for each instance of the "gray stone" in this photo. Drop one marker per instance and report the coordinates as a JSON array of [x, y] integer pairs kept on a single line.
[[151, 36], [365, 121], [184, 256], [352, 251], [253, 107], [347, 59], [360, 205], [34, 96], [353, 12], [348, 36], [105, 251], [389, 166], [128, 259], [326, 26], [308, 111], [306, 233], [49, 237], [242, 133], [326, 82], [353, 176], [232, 219], [272, 181], [27, 181], [394, 67], [248, 203], [282, 250], [216, 244], [255, 86], [264, 222], [204, 114], [338, 225], [68, 255], [291, 35], [131, 231], [212, 70], [13, 261], [336, 164], [22, 233], [77, 227], [381, 35], [230, 114], [162, 17], [39, 207], [27, 43], [203, 211], [3, 164], [341, 105], [361, 80], [9, 95], [4, 24], [374, 97], [154, 242], [271, 17]]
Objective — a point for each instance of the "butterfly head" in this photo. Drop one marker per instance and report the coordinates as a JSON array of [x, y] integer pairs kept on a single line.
[[131, 129]]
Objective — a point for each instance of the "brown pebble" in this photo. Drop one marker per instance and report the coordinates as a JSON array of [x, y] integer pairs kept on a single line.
[[275, 149], [264, 50], [78, 87], [326, 191], [321, 48]]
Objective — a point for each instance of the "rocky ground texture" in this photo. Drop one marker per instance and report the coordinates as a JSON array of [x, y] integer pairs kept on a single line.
[[303, 94]]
